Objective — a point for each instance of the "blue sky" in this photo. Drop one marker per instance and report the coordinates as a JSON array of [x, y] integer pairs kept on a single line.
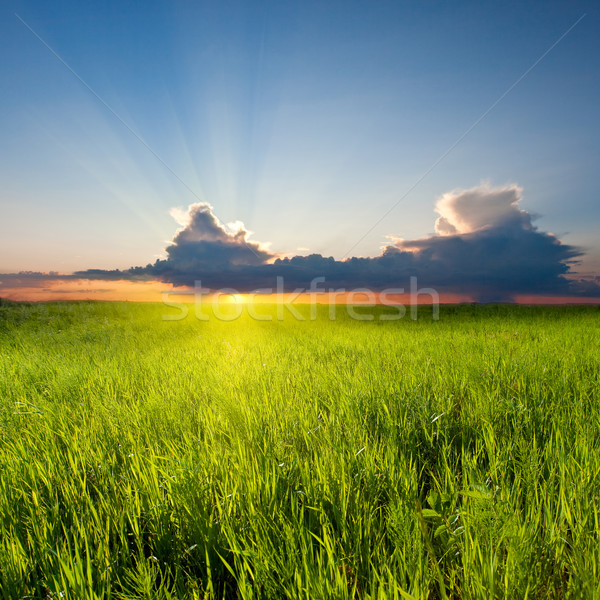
[[307, 121]]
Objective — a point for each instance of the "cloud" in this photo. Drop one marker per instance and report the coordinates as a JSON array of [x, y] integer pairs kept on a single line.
[[203, 243], [203, 249], [485, 246], [480, 208]]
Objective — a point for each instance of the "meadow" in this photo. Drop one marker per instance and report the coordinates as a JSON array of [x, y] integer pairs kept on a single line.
[[144, 458]]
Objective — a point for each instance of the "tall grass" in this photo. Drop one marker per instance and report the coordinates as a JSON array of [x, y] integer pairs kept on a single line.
[[142, 458]]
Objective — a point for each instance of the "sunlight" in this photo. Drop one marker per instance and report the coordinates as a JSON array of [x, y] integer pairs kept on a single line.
[[235, 298]]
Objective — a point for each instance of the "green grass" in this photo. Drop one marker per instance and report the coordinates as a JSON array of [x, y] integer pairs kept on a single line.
[[142, 458]]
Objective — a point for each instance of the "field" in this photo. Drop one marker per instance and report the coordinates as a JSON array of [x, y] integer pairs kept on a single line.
[[144, 458]]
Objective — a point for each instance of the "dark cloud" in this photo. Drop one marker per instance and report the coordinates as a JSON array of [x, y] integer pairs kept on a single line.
[[33, 279], [485, 246], [203, 244]]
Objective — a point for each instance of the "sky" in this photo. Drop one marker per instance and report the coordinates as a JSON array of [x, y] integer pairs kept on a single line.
[[132, 134]]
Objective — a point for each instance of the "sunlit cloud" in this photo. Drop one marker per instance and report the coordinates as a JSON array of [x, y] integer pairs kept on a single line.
[[482, 207]]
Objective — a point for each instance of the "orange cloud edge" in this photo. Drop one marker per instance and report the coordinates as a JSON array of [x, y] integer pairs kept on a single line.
[[156, 291]]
